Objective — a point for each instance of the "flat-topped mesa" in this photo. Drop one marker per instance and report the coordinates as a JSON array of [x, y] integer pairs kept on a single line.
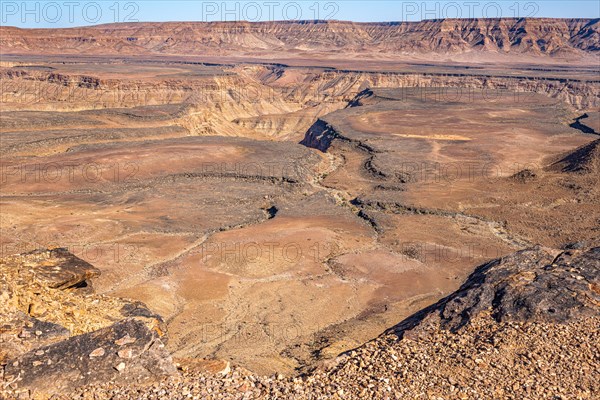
[[543, 36]]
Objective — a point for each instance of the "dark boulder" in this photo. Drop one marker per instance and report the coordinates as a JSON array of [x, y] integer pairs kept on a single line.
[[538, 284], [128, 351], [59, 269]]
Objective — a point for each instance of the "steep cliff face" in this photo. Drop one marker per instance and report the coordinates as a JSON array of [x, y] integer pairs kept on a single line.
[[259, 93], [530, 36]]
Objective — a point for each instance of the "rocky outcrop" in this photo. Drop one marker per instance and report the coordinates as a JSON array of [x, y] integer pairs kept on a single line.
[[533, 285], [59, 269], [515, 328], [57, 335], [127, 351], [584, 160], [319, 136]]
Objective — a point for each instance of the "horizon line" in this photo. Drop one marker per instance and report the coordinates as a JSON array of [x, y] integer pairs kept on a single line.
[[304, 21]]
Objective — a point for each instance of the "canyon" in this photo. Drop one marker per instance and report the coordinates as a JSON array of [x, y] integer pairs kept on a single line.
[[276, 214]]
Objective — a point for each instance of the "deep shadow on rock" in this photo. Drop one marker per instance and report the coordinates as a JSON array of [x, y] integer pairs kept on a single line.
[[584, 160], [536, 284], [588, 123]]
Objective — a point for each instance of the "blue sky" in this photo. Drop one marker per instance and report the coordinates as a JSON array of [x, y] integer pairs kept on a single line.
[[69, 13]]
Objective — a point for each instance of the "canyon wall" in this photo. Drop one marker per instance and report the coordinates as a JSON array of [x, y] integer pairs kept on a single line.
[[538, 36], [239, 96]]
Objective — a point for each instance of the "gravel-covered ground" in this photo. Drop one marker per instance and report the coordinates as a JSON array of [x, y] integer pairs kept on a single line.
[[486, 360]]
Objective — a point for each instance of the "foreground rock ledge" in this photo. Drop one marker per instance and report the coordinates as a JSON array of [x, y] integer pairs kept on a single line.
[[534, 285], [58, 336], [524, 326]]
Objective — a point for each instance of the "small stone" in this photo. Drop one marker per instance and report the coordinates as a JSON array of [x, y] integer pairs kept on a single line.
[[24, 335], [120, 367], [37, 310], [39, 353], [99, 352], [38, 333], [125, 340], [37, 363], [125, 353]]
